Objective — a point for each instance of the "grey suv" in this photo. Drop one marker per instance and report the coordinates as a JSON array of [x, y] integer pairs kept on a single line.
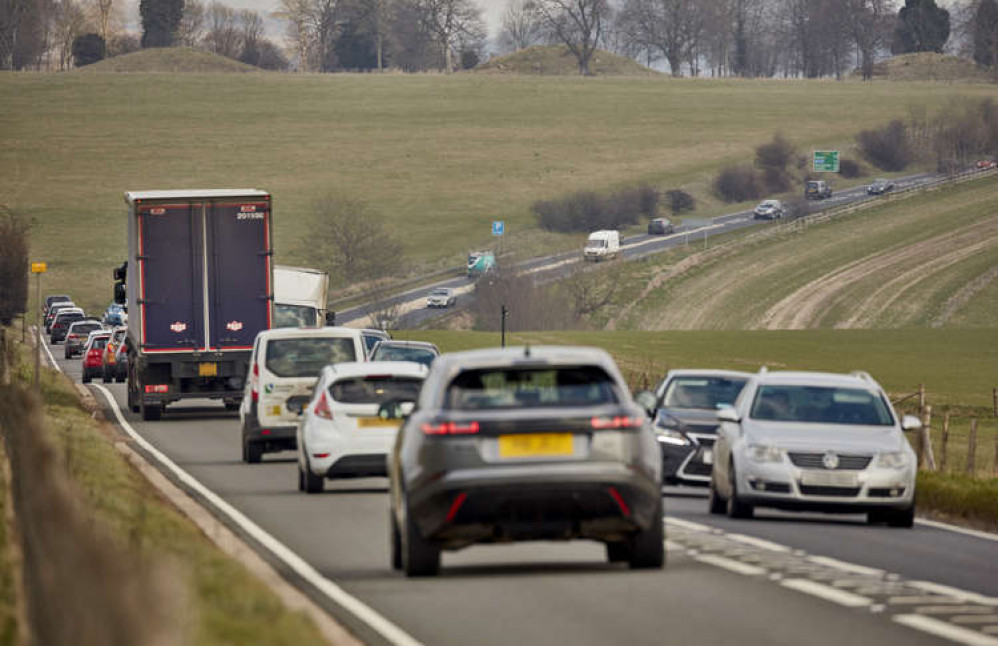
[[524, 444]]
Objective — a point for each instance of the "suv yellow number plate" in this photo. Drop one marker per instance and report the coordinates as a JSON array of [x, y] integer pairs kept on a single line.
[[208, 369], [529, 445]]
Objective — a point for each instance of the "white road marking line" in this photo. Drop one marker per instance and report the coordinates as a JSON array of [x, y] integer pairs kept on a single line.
[[955, 610], [828, 593], [731, 565], [842, 565], [959, 530], [945, 630], [975, 619], [686, 524], [908, 600], [965, 595], [392, 633], [758, 542]]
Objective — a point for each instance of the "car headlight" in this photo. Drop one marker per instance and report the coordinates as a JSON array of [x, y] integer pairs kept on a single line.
[[761, 453], [892, 460], [667, 431]]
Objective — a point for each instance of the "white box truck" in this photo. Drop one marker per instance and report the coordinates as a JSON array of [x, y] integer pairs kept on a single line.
[[602, 245], [300, 297]]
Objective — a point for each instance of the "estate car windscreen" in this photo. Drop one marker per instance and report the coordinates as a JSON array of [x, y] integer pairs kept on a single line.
[[306, 356], [708, 393], [821, 405], [375, 389], [525, 387]]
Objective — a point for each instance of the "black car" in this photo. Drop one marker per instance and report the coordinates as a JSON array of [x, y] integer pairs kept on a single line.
[[54, 309], [523, 444], [685, 420], [52, 299], [61, 323], [880, 186], [660, 227]]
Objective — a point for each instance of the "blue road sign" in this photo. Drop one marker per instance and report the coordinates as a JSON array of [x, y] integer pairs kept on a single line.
[[498, 227]]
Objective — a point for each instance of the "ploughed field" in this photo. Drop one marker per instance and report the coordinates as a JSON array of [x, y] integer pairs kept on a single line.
[[438, 156]]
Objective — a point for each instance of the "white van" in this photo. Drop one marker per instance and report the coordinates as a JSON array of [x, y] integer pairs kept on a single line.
[[602, 245], [284, 367]]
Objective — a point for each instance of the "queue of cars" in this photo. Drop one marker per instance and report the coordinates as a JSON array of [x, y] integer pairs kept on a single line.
[[103, 347]]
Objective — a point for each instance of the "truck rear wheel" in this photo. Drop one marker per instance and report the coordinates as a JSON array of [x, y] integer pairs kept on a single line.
[[152, 412]]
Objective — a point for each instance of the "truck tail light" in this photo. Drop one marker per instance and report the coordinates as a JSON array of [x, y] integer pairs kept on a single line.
[[322, 408], [157, 388], [451, 428]]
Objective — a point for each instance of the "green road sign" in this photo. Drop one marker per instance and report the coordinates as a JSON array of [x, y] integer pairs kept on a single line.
[[826, 161]]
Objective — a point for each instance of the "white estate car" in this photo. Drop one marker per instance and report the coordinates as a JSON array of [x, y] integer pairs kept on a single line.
[[814, 441], [345, 431], [284, 367]]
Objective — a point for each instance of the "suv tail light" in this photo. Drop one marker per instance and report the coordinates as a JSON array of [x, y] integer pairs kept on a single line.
[[322, 408], [451, 428]]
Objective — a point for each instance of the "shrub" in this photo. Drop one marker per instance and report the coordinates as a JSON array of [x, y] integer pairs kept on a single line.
[[13, 265], [680, 201], [850, 168], [648, 199], [738, 184], [588, 211], [776, 154], [88, 49], [888, 147], [776, 180]]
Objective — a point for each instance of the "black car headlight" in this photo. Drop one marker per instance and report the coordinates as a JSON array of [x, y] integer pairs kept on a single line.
[[667, 431]]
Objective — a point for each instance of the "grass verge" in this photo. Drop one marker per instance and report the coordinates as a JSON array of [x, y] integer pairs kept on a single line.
[[959, 499], [225, 604]]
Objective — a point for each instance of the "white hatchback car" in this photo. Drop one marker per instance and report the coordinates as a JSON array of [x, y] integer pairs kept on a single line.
[[814, 441], [284, 367], [346, 430]]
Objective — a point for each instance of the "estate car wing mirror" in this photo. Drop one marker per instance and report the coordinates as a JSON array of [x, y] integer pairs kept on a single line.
[[728, 414], [646, 400], [910, 423], [330, 318]]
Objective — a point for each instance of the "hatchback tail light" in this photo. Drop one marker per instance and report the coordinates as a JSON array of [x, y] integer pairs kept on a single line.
[[616, 423], [322, 408], [451, 428]]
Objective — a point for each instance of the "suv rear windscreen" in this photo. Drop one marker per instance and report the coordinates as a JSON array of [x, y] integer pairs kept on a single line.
[[306, 356], [516, 387], [84, 328], [375, 389]]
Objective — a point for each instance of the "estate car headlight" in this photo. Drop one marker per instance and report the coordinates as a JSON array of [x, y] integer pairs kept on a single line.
[[763, 453], [892, 460]]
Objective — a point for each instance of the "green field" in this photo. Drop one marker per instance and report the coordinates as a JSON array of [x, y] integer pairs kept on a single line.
[[439, 156], [928, 260]]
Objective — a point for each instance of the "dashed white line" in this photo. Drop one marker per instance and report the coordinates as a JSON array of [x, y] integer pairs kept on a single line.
[[758, 542], [843, 565], [946, 630], [964, 595], [828, 593], [687, 524], [731, 565]]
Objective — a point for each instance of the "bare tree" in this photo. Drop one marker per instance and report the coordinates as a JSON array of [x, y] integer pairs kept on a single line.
[[578, 24], [521, 26], [250, 35], [192, 24], [104, 13], [451, 22], [354, 241], [221, 30], [592, 290], [664, 25], [869, 23], [69, 22]]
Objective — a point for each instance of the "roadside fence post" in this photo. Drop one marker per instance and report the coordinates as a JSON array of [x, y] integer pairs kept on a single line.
[[972, 447], [926, 433], [921, 398], [994, 401], [942, 456], [994, 465]]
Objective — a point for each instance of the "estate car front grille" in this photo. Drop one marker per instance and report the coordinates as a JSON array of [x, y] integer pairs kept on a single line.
[[846, 462]]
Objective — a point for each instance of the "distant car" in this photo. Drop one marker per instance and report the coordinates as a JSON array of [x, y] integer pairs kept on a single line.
[[519, 444], [284, 366], [55, 309], [817, 190], [418, 351], [61, 322], [660, 227], [880, 186], [52, 299], [114, 314], [110, 369], [768, 210], [349, 427], [92, 351], [814, 441], [986, 164], [441, 297], [684, 417], [77, 334]]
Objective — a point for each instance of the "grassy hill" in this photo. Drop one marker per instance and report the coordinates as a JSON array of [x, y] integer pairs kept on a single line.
[[439, 156], [172, 60], [929, 66], [557, 60], [927, 261]]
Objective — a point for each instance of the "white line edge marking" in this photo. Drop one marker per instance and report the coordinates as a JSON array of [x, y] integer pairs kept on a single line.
[[686, 524], [731, 565], [959, 530], [946, 630], [827, 593], [947, 590], [351, 604], [758, 542], [843, 565]]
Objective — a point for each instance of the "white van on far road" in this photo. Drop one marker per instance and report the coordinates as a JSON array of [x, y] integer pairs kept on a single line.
[[602, 245], [284, 367]]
